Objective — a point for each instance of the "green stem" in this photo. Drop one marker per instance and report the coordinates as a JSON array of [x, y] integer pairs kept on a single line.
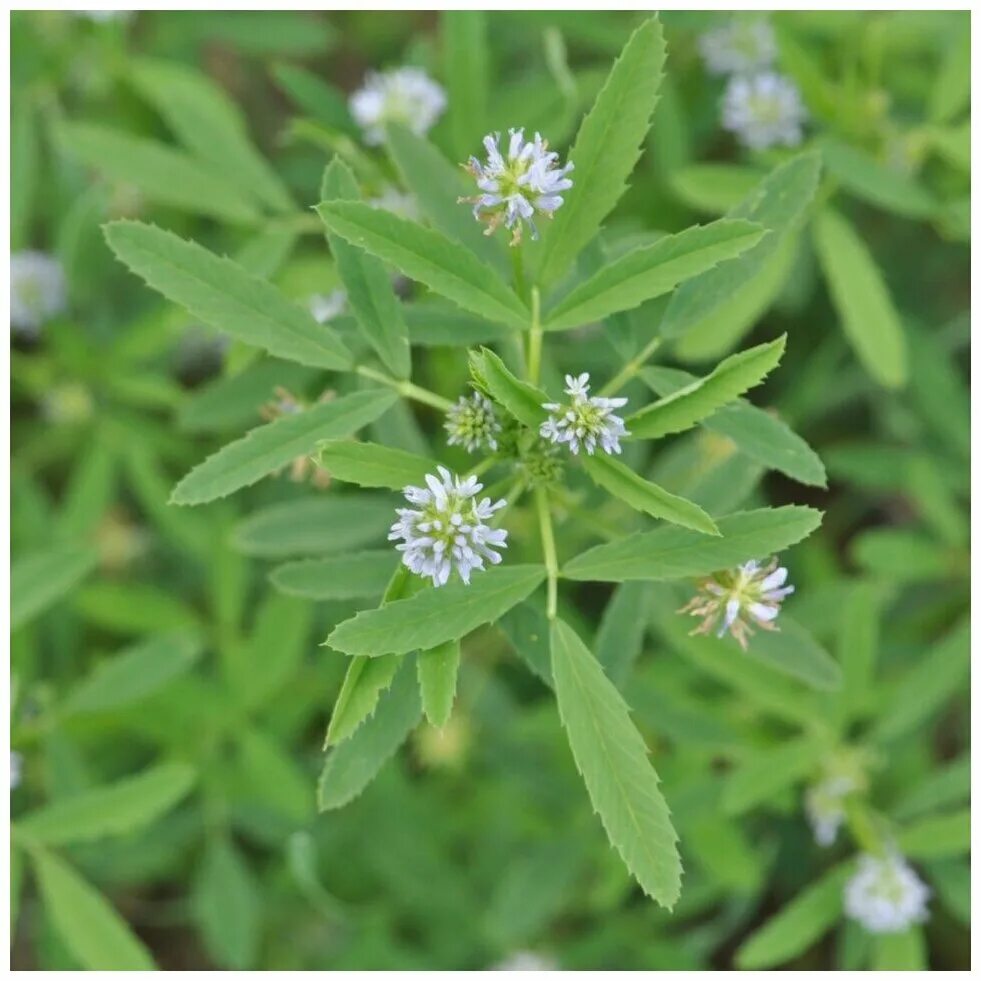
[[535, 338], [520, 486], [481, 468], [406, 388], [631, 368], [548, 550], [518, 268]]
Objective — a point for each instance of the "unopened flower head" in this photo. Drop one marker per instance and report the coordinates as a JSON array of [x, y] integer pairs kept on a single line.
[[732, 600], [764, 111], [472, 423], [741, 47], [404, 95], [843, 774], [517, 186], [447, 528], [885, 895], [326, 306], [37, 291], [585, 421]]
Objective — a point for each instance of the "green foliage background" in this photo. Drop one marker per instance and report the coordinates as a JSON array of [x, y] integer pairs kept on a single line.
[[169, 697]]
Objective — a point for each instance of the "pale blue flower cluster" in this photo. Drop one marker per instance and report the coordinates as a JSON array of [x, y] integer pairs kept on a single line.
[[585, 421], [404, 95], [885, 895], [38, 292]]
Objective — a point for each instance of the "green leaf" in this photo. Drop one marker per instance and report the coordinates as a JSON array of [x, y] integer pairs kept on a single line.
[[24, 168], [526, 627], [523, 400], [440, 324], [777, 203], [351, 766], [763, 775], [790, 932], [163, 174], [937, 836], [676, 553], [136, 673], [606, 150], [858, 641], [42, 578], [793, 650], [428, 257], [367, 283], [876, 183], [652, 270], [698, 400], [348, 576], [951, 91], [622, 482], [438, 668], [227, 906], [620, 636], [868, 316], [318, 100], [269, 448], [757, 433], [210, 125], [434, 616], [373, 465], [91, 929], [946, 785], [113, 809], [612, 758], [713, 188], [225, 296], [313, 525], [904, 951], [438, 185], [465, 55]]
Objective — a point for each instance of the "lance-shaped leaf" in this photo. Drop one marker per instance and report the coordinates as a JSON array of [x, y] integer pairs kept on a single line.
[[767, 772], [523, 400], [612, 758], [790, 932], [162, 173], [606, 149], [438, 668], [777, 203], [223, 295], [351, 766], [434, 616], [676, 553], [339, 577], [97, 936], [270, 447], [622, 482], [759, 434], [373, 465], [713, 188], [937, 836], [463, 34], [698, 400], [868, 316], [652, 270], [40, 579], [428, 256], [117, 808], [367, 283], [793, 650]]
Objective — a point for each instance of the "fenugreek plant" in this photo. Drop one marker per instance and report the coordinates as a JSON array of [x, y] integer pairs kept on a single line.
[[512, 253]]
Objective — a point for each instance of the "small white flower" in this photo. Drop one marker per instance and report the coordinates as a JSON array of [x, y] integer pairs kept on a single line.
[[515, 188], [824, 804], [526, 960], [472, 423], [734, 597], [764, 111], [448, 528], [885, 895], [396, 201], [37, 291], [404, 95], [741, 47], [584, 421], [16, 769], [326, 306]]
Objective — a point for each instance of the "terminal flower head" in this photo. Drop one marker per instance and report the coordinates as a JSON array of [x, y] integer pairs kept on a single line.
[[741, 47], [403, 95], [518, 184], [585, 420], [764, 111], [37, 291], [447, 528], [733, 600], [472, 423], [885, 895]]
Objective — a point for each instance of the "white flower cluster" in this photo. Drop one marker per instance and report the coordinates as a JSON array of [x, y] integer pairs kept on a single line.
[[447, 529], [824, 804], [527, 960], [404, 95], [741, 47], [885, 895], [764, 111], [326, 306], [37, 291], [472, 423], [516, 187], [735, 597], [585, 421]]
